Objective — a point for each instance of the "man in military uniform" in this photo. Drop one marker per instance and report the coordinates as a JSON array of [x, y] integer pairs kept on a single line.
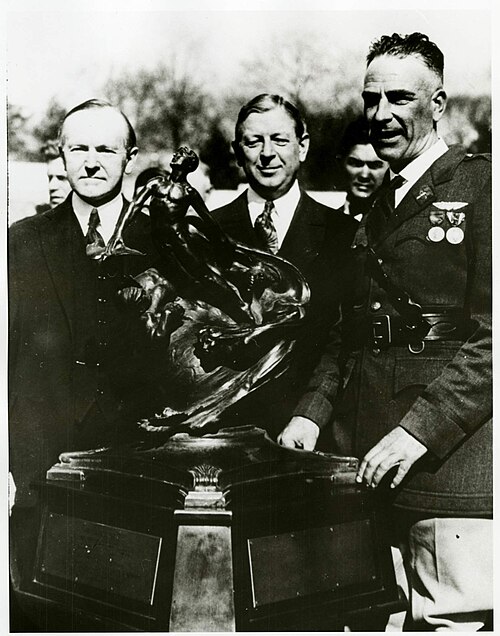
[[415, 399]]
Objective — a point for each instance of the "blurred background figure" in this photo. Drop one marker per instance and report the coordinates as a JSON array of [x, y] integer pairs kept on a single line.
[[360, 168], [59, 186]]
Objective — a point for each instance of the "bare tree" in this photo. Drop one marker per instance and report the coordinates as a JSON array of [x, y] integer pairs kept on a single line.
[[166, 104], [19, 139], [47, 129], [307, 69]]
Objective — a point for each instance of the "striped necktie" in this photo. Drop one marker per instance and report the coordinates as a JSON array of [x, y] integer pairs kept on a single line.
[[266, 230], [95, 243]]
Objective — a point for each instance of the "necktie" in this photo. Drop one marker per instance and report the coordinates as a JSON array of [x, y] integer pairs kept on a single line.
[[265, 229], [95, 243], [386, 197]]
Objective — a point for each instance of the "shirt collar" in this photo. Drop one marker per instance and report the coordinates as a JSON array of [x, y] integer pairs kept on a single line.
[[108, 214], [416, 168], [285, 205], [284, 209]]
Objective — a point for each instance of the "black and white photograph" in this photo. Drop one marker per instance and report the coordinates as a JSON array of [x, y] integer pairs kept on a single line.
[[248, 328]]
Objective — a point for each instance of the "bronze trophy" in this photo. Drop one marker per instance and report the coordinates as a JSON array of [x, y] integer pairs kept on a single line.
[[196, 529]]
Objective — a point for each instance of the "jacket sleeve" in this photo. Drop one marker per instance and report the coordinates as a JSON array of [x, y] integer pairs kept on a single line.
[[317, 402], [459, 400]]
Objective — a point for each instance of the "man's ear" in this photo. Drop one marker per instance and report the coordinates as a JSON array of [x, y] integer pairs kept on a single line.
[[131, 158], [303, 147], [237, 152], [439, 99], [61, 154]]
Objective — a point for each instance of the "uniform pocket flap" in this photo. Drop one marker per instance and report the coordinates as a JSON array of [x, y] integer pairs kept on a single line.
[[417, 371]]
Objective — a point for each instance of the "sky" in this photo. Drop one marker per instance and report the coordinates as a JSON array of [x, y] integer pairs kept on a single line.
[[68, 50]]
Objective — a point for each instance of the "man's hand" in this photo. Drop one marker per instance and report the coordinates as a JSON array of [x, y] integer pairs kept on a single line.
[[397, 448], [300, 432]]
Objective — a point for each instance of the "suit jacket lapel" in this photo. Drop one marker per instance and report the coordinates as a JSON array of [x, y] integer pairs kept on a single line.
[[423, 193], [238, 224], [63, 247], [305, 234], [57, 236]]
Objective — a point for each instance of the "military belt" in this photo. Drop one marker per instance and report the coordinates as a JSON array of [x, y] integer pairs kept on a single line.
[[444, 324]]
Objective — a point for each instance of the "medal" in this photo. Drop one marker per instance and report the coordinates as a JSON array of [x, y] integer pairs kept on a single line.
[[455, 218], [436, 234], [436, 217], [452, 211], [455, 235]]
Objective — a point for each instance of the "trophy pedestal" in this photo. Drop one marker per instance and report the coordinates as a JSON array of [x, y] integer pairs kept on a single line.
[[226, 532]]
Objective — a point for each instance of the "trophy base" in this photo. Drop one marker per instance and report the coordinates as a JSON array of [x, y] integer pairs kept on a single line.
[[226, 532]]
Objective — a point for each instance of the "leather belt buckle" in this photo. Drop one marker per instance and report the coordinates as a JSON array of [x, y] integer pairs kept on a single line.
[[381, 330]]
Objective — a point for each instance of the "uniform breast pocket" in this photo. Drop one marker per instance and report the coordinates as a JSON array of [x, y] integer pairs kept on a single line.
[[436, 229]]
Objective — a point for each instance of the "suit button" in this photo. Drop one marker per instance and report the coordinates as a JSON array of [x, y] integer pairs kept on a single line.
[[376, 352], [375, 306]]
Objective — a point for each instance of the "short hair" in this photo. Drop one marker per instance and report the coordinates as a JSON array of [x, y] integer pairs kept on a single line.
[[131, 141], [50, 150], [356, 132], [407, 45], [265, 102]]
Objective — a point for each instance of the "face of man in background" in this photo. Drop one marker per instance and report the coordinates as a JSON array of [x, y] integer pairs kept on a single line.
[[403, 100], [95, 154], [270, 152], [59, 186], [364, 171]]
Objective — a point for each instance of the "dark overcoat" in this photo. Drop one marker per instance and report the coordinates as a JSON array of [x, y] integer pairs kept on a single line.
[[71, 350], [440, 392], [318, 244]]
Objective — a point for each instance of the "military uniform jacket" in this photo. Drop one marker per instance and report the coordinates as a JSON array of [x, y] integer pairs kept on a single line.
[[318, 244], [441, 394]]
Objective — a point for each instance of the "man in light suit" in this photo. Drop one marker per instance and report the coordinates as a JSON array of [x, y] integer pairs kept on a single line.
[[274, 213], [80, 367], [415, 402]]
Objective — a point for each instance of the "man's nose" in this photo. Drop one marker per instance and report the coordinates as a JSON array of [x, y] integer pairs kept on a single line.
[[364, 171], [383, 111], [268, 148], [91, 159]]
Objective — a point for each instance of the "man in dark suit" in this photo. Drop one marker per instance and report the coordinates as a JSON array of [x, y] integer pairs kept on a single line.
[[274, 213], [416, 403], [80, 367]]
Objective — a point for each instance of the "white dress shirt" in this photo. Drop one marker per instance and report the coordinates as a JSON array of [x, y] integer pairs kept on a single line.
[[108, 214], [284, 209], [416, 168]]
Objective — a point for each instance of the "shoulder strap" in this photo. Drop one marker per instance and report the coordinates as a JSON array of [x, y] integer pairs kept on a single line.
[[410, 311]]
